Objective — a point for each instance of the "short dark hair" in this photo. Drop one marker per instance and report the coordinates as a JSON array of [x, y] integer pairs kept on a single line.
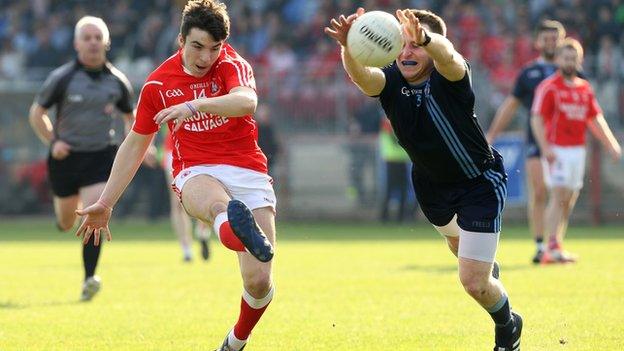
[[435, 22], [207, 15], [550, 25]]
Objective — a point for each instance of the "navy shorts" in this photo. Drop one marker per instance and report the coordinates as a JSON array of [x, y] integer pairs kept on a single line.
[[478, 202], [80, 169]]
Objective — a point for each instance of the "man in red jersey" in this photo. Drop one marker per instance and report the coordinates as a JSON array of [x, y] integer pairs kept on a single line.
[[206, 95], [564, 106]]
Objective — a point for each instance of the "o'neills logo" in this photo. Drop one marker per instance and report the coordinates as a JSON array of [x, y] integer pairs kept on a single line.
[[382, 41]]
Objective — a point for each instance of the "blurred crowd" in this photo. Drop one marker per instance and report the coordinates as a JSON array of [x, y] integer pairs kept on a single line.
[[284, 39], [297, 67]]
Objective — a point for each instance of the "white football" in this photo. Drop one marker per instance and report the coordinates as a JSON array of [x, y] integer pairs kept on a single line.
[[375, 39]]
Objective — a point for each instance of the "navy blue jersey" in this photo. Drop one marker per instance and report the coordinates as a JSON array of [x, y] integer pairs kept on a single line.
[[524, 90], [436, 124]]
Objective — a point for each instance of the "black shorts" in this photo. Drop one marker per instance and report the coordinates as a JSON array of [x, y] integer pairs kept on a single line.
[[478, 202], [80, 169]]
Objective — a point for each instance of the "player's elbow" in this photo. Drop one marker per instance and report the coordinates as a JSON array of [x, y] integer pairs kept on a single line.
[[250, 104], [246, 102]]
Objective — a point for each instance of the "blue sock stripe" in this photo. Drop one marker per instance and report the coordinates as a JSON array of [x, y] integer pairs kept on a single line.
[[463, 151], [498, 305]]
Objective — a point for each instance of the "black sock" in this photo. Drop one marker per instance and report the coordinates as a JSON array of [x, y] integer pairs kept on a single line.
[[501, 312], [90, 256]]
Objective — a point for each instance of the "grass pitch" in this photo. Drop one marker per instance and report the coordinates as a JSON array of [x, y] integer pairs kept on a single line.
[[339, 287]]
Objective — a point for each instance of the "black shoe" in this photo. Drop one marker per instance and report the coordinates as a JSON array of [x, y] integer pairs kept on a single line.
[[495, 270], [537, 259], [245, 228], [513, 342], [205, 249]]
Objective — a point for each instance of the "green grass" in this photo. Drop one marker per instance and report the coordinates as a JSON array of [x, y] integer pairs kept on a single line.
[[339, 287]]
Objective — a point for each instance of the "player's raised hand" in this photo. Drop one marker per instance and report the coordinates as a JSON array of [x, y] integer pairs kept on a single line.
[[95, 222], [340, 26], [412, 30], [177, 113]]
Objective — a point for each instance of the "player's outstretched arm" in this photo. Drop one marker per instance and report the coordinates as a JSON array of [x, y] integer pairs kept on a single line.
[[370, 80], [504, 115], [127, 161], [448, 62], [599, 127], [240, 101]]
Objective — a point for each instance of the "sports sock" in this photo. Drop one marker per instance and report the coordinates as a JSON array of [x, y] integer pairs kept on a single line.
[[539, 242], [226, 234], [250, 313], [186, 251], [553, 243], [90, 256], [500, 312]]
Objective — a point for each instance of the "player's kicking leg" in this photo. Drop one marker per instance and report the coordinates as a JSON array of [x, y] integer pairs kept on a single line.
[[205, 198], [258, 288]]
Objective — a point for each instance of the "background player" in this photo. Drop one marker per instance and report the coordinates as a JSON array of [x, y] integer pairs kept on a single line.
[[206, 95], [86, 93], [547, 35], [180, 220], [459, 180], [563, 108]]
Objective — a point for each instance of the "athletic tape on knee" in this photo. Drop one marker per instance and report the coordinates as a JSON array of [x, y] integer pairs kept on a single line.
[[478, 246], [258, 303]]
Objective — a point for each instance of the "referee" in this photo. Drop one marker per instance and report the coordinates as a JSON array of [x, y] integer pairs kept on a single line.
[[86, 94]]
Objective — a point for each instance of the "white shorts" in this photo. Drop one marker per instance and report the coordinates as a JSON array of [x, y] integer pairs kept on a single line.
[[254, 189], [568, 170]]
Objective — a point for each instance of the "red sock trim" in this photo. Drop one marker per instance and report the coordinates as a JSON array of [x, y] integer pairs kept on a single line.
[[247, 320]]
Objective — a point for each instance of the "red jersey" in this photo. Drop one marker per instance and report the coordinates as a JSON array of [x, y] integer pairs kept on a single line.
[[566, 108], [204, 138]]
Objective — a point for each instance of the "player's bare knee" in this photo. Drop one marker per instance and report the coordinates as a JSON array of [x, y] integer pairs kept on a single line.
[[258, 285], [474, 284]]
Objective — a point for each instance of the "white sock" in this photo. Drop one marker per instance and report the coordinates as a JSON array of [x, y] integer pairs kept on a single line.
[[187, 251], [218, 221], [235, 343]]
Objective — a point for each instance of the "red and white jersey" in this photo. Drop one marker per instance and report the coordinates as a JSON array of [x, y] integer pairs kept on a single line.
[[566, 108], [205, 138]]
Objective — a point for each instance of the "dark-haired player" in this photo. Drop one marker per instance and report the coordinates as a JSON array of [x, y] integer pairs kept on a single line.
[[205, 93]]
